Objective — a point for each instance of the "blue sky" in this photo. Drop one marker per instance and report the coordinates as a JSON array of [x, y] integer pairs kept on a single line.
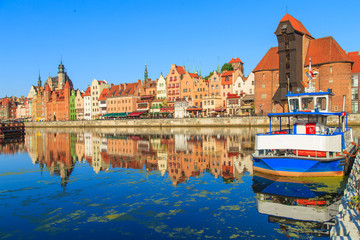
[[112, 39]]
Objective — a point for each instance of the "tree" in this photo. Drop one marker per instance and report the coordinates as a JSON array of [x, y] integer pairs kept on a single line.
[[227, 67], [208, 76]]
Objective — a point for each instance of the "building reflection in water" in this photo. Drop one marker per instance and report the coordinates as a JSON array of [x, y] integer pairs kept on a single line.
[[181, 156]]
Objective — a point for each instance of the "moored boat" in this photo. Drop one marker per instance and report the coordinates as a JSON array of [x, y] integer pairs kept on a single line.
[[306, 145]]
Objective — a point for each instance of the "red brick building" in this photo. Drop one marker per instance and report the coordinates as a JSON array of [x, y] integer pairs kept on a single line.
[[8, 108], [57, 103], [282, 69]]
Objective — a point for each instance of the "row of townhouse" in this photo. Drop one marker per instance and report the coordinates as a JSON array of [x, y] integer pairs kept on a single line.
[[183, 94], [180, 94]]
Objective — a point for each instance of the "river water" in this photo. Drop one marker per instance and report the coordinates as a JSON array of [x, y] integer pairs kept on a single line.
[[184, 183]]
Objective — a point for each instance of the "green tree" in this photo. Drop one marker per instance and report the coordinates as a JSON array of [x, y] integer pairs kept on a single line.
[[208, 76], [227, 67]]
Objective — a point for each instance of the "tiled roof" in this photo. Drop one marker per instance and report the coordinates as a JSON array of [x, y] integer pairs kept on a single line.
[[325, 50], [270, 61], [180, 69], [297, 25], [236, 60], [103, 94], [47, 88], [355, 56], [194, 75], [227, 73], [113, 90], [67, 85], [130, 89], [88, 92]]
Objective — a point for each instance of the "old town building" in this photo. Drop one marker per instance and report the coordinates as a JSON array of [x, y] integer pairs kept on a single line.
[[161, 92], [87, 104], [8, 106], [79, 105], [214, 84], [102, 101], [57, 103], [355, 76], [282, 69], [96, 88], [201, 90], [173, 80]]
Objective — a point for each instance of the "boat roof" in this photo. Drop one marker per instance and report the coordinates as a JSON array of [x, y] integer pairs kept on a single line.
[[292, 114], [291, 94]]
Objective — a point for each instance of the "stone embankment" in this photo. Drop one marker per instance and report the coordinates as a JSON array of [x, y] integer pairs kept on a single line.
[[347, 221], [247, 121]]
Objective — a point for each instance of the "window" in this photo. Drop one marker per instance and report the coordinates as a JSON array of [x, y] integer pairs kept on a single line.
[[263, 76], [263, 86], [331, 81], [330, 69], [263, 96], [175, 78], [354, 94], [354, 107], [355, 81], [214, 79], [170, 78]]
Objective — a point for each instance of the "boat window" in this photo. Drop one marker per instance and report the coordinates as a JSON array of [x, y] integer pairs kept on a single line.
[[294, 105], [321, 103], [307, 103]]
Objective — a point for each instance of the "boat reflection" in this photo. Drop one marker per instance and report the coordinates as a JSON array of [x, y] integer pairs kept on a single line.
[[177, 156], [302, 207]]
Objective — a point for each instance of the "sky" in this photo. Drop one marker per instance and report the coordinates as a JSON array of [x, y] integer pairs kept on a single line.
[[113, 40]]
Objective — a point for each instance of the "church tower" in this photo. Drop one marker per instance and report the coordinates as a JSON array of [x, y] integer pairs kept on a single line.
[[293, 41], [39, 81], [61, 75], [145, 73]]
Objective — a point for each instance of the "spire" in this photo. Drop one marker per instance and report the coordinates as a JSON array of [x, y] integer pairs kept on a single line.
[[145, 73], [39, 80], [61, 67]]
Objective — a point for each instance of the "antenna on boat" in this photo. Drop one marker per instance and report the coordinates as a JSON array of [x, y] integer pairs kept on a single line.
[[310, 75]]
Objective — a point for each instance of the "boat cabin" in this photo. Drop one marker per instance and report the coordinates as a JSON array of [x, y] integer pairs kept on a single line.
[[310, 102]]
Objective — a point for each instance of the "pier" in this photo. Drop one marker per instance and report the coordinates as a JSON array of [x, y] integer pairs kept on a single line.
[[11, 131], [347, 221]]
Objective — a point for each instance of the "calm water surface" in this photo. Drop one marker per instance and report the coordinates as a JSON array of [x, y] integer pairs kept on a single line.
[[154, 184]]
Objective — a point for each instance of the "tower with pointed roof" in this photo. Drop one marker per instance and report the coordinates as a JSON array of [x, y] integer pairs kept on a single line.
[[145, 73], [39, 81], [293, 41], [61, 75]]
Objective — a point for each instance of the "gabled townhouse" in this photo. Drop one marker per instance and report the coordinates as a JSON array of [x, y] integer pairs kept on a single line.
[[72, 106], [96, 88], [214, 84], [87, 104], [226, 85], [244, 85], [187, 85], [103, 101], [161, 92], [79, 105], [201, 90], [173, 80]]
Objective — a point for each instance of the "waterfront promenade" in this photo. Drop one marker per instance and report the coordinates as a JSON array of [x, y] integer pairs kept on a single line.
[[248, 121]]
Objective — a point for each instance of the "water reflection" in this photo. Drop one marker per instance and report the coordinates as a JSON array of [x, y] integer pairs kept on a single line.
[[303, 207], [181, 156], [162, 183]]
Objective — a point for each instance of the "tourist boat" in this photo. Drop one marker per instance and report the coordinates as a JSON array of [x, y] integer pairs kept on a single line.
[[306, 145]]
